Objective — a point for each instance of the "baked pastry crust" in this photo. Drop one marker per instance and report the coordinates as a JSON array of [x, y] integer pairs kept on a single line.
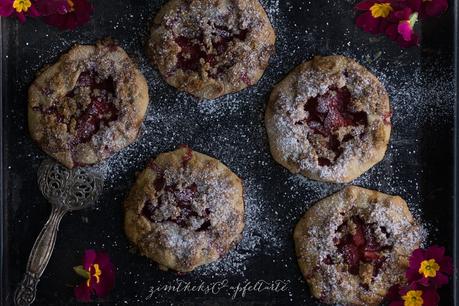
[[210, 48], [354, 245], [186, 209], [329, 120], [88, 105]]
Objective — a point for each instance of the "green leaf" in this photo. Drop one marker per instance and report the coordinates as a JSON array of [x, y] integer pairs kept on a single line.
[[82, 272], [413, 19]]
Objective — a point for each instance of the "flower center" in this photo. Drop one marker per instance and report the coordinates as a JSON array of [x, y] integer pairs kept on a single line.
[[21, 5], [429, 268], [97, 274], [71, 5], [380, 10], [413, 298], [94, 269]]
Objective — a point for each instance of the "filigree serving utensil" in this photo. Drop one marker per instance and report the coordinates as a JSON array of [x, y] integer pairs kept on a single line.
[[66, 190]]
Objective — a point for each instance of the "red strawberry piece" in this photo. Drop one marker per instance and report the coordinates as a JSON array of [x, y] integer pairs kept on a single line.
[[371, 255], [359, 237], [352, 256]]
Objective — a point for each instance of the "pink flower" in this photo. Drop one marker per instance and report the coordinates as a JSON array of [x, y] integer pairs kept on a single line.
[[428, 8], [401, 28], [79, 12], [430, 267], [18, 8], [413, 295], [98, 271]]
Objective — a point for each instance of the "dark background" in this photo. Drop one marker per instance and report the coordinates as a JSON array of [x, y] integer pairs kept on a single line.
[[418, 165]]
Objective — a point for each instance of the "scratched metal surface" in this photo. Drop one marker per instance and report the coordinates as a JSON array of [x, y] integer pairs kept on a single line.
[[418, 164]]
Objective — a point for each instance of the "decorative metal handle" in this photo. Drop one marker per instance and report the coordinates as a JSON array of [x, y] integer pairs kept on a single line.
[[39, 258]]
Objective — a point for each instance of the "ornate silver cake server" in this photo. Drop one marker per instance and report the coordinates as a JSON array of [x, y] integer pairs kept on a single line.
[[66, 190]]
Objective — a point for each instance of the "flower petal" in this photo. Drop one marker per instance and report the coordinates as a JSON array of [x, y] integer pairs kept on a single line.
[[416, 257], [107, 277], [103, 260], [398, 15], [433, 8], [105, 285], [368, 23], [404, 29], [82, 292], [440, 279], [436, 252], [33, 12], [21, 17], [80, 15], [6, 8], [88, 258], [412, 274], [430, 297], [415, 5], [365, 5], [423, 281], [50, 7]]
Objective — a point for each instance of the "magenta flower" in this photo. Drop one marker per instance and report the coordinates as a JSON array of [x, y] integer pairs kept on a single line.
[[18, 8], [401, 28], [413, 295], [430, 267], [79, 13], [428, 8], [98, 271]]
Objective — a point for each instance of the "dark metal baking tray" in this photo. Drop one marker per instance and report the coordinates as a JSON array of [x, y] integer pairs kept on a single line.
[[418, 165]]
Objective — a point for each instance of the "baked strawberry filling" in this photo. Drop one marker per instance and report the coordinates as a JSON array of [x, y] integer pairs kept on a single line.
[[327, 114], [182, 199], [191, 53], [331, 111], [358, 243], [195, 53], [178, 199], [100, 110], [84, 119]]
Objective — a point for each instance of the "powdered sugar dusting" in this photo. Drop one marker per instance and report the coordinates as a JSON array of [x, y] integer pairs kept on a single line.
[[232, 130], [257, 232]]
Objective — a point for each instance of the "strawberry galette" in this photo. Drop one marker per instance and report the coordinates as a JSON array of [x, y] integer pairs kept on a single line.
[[210, 48], [355, 244], [88, 105], [329, 120], [186, 209]]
